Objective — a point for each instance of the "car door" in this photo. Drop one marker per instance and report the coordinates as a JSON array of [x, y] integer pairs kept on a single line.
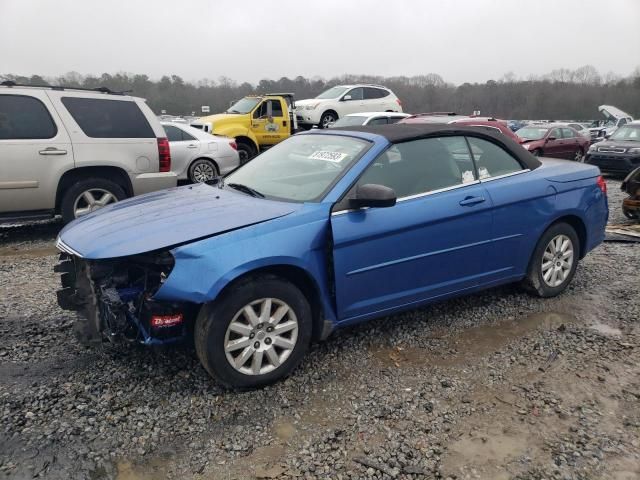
[[352, 102], [433, 242], [35, 151], [373, 99], [184, 149], [572, 143], [269, 124], [554, 145], [518, 206]]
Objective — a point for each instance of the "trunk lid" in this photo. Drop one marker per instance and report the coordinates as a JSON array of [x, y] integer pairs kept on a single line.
[[562, 171]]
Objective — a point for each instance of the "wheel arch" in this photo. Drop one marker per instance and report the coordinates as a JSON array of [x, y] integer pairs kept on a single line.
[[115, 174], [330, 110], [202, 157], [578, 225], [248, 139], [297, 276]]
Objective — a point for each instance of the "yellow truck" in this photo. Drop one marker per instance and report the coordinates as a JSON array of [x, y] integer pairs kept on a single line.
[[257, 122]]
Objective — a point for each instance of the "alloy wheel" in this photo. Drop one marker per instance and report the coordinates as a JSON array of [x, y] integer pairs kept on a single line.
[[203, 172], [579, 156], [328, 120], [557, 260], [92, 200], [261, 336]]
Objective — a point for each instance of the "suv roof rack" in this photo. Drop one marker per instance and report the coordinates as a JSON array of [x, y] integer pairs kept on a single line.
[[11, 83]]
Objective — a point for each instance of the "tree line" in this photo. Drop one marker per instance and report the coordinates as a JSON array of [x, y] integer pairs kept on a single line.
[[561, 94]]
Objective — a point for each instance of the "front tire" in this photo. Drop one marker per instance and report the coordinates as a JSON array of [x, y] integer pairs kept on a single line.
[[246, 151], [328, 119], [554, 261], [255, 334], [87, 195]]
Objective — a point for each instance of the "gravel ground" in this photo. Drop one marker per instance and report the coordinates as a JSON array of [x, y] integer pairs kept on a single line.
[[497, 385]]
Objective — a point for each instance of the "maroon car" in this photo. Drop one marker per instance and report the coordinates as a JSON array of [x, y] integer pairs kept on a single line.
[[550, 140]]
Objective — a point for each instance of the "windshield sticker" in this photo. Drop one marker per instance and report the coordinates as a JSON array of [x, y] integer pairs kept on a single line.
[[335, 157]]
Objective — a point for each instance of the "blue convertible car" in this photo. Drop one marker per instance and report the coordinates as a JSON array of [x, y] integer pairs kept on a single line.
[[326, 229]]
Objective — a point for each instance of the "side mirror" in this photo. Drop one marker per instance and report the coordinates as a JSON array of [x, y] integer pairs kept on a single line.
[[373, 195], [346, 97], [550, 139]]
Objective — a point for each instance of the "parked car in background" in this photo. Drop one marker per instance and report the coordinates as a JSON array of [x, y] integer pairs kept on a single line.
[[578, 127], [71, 151], [614, 118], [490, 124], [369, 118], [198, 156], [257, 122], [515, 125], [551, 140], [327, 229], [620, 153], [433, 117], [341, 100]]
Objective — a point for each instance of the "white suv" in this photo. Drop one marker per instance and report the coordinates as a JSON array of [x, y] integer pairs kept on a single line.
[[342, 100], [70, 151]]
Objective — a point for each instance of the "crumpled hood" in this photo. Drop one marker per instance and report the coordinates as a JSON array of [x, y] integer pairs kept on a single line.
[[166, 218]]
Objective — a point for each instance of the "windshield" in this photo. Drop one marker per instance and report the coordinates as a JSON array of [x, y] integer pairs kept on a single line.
[[300, 169], [334, 92], [627, 133], [245, 105], [349, 121], [531, 133]]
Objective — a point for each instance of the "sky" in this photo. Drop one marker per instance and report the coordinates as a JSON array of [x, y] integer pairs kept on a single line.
[[461, 40]]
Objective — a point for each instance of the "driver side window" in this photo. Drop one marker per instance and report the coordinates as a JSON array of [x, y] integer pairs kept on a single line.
[[356, 93]]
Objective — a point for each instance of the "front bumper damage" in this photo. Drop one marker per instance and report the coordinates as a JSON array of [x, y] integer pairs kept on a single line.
[[114, 299]]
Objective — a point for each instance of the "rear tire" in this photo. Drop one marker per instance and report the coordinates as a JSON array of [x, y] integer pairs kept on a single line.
[[74, 201], [241, 353], [579, 156], [554, 261], [202, 170]]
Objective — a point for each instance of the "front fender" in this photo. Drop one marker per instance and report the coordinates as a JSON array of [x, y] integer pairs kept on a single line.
[[236, 131], [204, 268]]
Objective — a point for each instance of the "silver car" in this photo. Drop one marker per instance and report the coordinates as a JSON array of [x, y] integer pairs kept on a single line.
[[199, 156]]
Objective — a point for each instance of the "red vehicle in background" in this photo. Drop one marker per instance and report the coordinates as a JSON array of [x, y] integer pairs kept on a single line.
[[553, 140], [489, 123]]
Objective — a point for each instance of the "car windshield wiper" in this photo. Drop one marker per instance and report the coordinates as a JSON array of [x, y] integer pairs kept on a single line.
[[243, 188]]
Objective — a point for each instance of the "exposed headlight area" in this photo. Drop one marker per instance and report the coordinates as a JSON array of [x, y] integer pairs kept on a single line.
[[115, 298]]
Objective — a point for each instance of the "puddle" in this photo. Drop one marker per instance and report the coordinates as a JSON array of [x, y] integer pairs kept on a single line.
[[606, 330], [471, 342], [29, 253]]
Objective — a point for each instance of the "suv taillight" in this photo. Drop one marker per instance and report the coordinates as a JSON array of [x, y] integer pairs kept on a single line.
[[164, 155], [602, 184]]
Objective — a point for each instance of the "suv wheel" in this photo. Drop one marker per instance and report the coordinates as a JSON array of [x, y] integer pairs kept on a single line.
[[88, 195], [328, 119], [202, 170], [255, 334], [554, 261]]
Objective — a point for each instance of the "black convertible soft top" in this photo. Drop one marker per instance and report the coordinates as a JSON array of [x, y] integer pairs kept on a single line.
[[404, 132]]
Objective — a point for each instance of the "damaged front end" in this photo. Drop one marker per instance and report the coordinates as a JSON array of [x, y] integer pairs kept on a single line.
[[114, 299]]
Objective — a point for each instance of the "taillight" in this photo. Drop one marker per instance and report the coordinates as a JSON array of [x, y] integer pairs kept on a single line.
[[398, 102], [233, 145], [602, 184], [164, 155]]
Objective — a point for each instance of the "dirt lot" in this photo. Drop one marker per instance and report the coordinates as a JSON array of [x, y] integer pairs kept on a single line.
[[498, 385]]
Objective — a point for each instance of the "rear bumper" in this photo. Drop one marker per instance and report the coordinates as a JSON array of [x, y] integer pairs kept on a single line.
[[613, 163], [150, 182]]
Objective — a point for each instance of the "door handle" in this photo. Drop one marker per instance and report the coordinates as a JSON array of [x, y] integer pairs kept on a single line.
[[52, 151], [469, 201], [191, 145]]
